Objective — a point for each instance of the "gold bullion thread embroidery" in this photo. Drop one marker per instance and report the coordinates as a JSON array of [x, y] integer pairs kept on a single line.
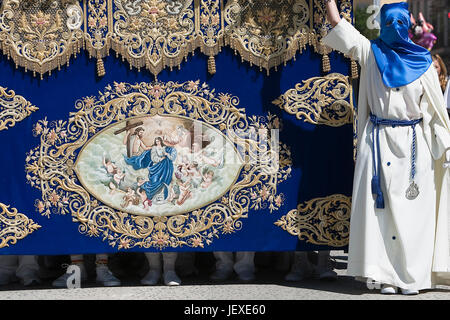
[[320, 221], [40, 35], [14, 226], [50, 166], [13, 108], [320, 100], [155, 34]]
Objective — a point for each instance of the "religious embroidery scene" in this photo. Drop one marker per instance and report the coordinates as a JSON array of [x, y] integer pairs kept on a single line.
[[158, 165]]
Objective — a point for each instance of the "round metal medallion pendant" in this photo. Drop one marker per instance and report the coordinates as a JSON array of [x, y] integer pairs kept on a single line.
[[413, 191]]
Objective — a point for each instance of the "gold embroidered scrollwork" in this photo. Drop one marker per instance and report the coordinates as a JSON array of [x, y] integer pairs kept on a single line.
[[320, 221], [98, 30], [41, 35], [209, 29], [13, 108], [154, 33], [14, 226], [267, 33], [51, 165], [320, 100]]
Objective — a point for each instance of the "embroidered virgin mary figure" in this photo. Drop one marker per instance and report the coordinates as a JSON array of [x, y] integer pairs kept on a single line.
[[159, 162]]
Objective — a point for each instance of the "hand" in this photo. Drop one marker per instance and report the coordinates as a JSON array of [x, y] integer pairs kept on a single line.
[[332, 12]]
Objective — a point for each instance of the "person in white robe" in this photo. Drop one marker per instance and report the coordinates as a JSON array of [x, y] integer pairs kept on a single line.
[[22, 267], [403, 242], [242, 262]]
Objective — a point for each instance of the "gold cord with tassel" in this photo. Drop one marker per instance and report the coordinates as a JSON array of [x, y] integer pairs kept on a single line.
[[100, 67], [211, 65], [326, 66], [354, 69]]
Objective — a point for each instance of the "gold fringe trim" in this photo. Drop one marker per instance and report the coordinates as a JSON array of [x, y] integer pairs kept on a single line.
[[209, 43]]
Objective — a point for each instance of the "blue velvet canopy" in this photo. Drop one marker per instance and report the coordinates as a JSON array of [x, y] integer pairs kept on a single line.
[[268, 111]]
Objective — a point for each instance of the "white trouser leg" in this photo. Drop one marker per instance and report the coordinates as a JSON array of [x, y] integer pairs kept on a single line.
[[154, 260], [224, 260], [244, 262], [28, 266], [169, 259]]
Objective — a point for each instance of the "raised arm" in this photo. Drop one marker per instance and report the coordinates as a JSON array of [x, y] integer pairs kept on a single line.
[[344, 37], [332, 12]]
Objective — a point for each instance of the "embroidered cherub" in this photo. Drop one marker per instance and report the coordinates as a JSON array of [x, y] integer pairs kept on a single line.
[[145, 200], [130, 197], [116, 180], [207, 179], [110, 167]]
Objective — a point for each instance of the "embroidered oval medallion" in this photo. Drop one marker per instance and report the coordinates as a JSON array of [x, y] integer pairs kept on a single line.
[[158, 165]]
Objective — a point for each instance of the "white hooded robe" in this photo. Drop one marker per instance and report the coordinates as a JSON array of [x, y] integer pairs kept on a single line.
[[406, 244]]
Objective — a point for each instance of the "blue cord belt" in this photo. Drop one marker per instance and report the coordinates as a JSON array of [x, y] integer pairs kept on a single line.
[[377, 122]]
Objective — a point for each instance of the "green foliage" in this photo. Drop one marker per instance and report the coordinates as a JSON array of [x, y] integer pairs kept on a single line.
[[361, 17]]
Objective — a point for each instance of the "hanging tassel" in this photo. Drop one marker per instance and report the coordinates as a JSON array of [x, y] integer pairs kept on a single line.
[[376, 190], [380, 201], [326, 66], [375, 185], [211, 65], [100, 67], [354, 70]]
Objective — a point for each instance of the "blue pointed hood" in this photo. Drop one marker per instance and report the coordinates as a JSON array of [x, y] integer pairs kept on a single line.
[[399, 60]]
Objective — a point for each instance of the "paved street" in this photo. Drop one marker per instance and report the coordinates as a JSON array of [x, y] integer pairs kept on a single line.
[[269, 285]]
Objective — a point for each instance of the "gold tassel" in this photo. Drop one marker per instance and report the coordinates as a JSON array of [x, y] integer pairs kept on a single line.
[[354, 70], [100, 67], [326, 66], [211, 65]]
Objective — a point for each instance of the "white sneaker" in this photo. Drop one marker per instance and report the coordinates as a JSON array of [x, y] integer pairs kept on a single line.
[[328, 275], [221, 275], [409, 292], [105, 276], [30, 280], [388, 289], [151, 278], [171, 278], [61, 282]]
